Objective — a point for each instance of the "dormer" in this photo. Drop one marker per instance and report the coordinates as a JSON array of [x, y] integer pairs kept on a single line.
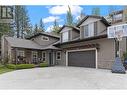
[[69, 33], [92, 26]]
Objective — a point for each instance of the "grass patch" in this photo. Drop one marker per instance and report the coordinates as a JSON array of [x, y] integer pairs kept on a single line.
[[45, 64], [20, 66], [4, 69]]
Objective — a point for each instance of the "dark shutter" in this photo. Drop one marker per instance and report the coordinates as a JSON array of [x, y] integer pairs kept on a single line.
[[95, 28]]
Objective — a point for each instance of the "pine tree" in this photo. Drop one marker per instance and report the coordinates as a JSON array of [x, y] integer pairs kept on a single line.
[[41, 26], [96, 11], [35, 28], [69, 17], [22, 22], [56, 27]]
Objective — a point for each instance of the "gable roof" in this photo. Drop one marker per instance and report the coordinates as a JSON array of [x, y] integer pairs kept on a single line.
[[73, 27], [42, 33], [93, 16], [22, 43], [28, 44]]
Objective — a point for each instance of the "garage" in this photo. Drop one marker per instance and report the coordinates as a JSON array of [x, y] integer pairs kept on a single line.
[[82, 58]]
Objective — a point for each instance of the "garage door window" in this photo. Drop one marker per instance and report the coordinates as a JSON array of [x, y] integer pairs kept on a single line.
[[58, 55]]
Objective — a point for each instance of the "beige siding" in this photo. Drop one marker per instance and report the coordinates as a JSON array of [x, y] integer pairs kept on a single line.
[[39, 40], [105, 53]]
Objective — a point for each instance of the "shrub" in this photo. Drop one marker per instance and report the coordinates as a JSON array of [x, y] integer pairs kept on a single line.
[[124, 55], [20, 66], [11, 66], [44, 64], [25, 66]]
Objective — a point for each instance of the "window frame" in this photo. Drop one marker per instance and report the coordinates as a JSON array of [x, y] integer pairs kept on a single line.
[[58, 55], [7, 8], [64, 34], [21, 53], [89, 33], [45, 39], [44, 57]]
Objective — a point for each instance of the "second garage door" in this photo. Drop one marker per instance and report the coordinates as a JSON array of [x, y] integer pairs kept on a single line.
[[82, 58]]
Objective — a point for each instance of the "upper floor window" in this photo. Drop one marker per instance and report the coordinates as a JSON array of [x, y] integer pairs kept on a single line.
[[65, 36], [89, 30], [6, 12], [117, 17], [45, 38]]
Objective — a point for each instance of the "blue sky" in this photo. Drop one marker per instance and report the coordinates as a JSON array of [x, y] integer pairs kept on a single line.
[[49, 13]]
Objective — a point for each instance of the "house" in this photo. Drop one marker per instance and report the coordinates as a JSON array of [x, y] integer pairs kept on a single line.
[[6, 16], [85, 45], [36, 48], [90, 47]]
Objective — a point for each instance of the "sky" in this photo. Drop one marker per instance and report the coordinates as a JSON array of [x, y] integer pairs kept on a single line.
[[49, 13]]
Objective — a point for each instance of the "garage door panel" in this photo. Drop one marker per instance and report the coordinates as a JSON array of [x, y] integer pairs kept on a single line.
[[82, 58]]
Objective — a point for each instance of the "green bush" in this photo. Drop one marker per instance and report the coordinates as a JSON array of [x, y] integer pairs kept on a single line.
[[25, 66], [20, 66], [11, 66], [45, 64]]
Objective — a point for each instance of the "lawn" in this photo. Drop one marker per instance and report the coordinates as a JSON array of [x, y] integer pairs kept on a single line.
[[4, 69]]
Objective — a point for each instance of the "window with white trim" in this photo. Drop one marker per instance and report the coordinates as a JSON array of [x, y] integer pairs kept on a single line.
[[65, 36], [44, 38], [21, 53], [58, 55], [89, 30], [43, 56], [34, 55], [6, 12]]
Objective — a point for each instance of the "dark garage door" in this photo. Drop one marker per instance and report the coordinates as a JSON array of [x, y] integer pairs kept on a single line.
[[82, 58]]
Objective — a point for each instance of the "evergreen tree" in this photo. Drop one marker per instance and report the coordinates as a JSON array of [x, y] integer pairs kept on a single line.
[[22, 22], [41, 26], [56, 27], [69, 17], [35, 28], [96, 11]]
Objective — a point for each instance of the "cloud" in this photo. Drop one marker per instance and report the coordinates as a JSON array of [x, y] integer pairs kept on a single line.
[[59, 10], [51, 19], [51, 27]]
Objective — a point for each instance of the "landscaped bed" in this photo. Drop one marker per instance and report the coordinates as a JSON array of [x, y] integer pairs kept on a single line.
[[4, 69], [11, 67]]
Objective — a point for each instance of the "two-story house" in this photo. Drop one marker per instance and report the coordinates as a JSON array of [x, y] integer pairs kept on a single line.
[[87, 45]]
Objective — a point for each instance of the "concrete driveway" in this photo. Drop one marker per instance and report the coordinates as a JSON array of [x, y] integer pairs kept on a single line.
[[63, 78]]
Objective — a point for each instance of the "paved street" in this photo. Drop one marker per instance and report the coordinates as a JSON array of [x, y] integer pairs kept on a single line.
[[63, 78]]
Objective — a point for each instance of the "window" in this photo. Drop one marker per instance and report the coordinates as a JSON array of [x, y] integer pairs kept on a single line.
[[21, 53], [58, 55], [6, 12], [89, 30], [43, 56], [45, 38], [117, 17], [65, 36], [34, 56]]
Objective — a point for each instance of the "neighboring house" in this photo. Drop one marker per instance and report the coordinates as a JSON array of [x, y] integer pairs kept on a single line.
[[36, 48], [6, 16], [91, 48], [85, 45]]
